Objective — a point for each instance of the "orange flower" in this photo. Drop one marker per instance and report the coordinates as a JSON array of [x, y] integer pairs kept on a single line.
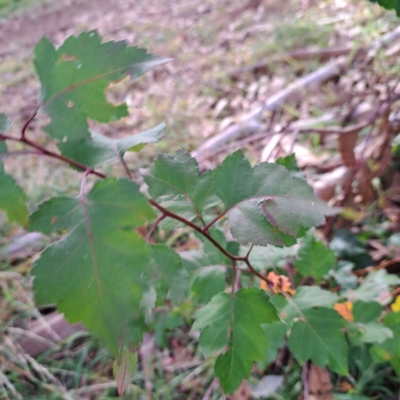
[[277, 284], [263, 285], [345, 310]]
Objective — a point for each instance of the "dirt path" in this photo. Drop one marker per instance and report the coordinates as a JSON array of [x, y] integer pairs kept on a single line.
[[205, 39], [53, 20]]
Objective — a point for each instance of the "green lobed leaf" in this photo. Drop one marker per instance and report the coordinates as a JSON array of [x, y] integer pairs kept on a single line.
[[174, 175], [248, 224], [235, 320], [318, 336], [174, 181], [306, 297], [343, 275], [95, 274], [314, 258], [289, 162], [12, 197], [262, 258], [265, 204], [372, 332], [75, 76], [99, 149], [366, 312]]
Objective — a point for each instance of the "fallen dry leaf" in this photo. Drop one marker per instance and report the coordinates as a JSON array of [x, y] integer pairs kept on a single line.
[[345, 310], [243, 393], [319, 383], [347, 143], [364, 183]]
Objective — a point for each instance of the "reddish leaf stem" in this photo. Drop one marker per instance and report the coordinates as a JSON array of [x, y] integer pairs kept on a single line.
[[233, 258], [31, 118], [205, 229], [197, 228], [83, 183], [123, 162], [44, 151], [52, 154], [126, 168], [256, 273], [158, 220], [249, 251]]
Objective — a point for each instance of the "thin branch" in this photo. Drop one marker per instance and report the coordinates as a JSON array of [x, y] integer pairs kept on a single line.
[[212, 240], [50, 153], [249, 251], [256, 273], [337, 130], [205, 229], [233, 277], [31, 118], [126, 168], [196, 228], [83, 183], [158, 220], [123, 162]]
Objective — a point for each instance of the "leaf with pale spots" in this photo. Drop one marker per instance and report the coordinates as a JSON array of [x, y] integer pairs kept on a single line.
[[75, 76]]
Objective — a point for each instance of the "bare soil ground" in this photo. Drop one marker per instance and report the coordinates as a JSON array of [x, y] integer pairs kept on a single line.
[[192, 93], [205, 39]]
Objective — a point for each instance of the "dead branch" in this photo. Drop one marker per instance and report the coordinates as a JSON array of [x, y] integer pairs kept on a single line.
[[39, 335], [250, 123], [296, 55]]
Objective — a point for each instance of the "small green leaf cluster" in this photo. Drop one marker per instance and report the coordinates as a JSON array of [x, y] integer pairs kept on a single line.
[[246, 219]]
